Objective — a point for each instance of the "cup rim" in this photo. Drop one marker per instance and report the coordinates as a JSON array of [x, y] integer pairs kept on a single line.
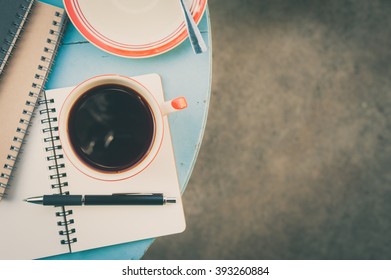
[[82, 165]]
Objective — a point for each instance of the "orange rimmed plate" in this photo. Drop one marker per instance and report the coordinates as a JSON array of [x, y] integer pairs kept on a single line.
[[133, 28]]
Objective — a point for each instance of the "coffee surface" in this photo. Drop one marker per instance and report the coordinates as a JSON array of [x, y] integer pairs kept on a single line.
[[111, 128]]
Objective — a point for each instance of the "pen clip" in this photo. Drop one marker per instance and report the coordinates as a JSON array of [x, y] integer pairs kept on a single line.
[[136, 194]]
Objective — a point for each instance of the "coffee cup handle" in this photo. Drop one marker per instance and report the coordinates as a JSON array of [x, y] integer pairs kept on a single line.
[[173, 105]]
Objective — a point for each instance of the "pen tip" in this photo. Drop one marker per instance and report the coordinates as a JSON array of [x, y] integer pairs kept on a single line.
[[36, 200]]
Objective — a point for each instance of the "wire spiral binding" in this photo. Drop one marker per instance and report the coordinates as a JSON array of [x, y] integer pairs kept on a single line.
[[14, 33], [55, 34], [53, 147], [56, 165]]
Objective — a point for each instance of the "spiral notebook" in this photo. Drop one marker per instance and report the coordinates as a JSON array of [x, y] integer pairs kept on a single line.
[[24, 76], [36, 231], [13, 16]]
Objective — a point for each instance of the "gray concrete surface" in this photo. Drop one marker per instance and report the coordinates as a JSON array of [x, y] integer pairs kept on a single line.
[[295, 162]]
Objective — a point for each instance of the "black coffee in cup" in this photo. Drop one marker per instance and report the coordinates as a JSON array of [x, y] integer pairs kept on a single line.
[[111, 128]]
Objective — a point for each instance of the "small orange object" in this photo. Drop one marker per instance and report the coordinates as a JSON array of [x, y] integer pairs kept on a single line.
[[179, 103]]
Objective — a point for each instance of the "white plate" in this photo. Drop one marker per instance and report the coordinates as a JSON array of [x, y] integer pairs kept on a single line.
[[133, 28]]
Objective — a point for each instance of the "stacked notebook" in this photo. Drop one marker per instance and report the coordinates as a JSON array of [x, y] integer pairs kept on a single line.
[[30, 32]]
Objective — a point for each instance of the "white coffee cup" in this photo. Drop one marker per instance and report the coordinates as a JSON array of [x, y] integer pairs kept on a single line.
[[158, 111]]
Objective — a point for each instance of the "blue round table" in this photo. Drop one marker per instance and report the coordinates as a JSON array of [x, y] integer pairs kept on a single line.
[[182, 72]]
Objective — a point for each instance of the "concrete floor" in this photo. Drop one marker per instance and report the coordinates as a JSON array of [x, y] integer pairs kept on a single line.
[[296, 158]]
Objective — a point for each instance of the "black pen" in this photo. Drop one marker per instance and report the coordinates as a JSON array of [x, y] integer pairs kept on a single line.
[[114, 199]]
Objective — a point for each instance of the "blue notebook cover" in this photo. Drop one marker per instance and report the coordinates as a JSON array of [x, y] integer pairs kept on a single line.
[[13, 15]]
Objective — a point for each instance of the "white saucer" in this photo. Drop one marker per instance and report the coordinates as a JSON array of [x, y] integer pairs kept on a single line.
[[133, 28]]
